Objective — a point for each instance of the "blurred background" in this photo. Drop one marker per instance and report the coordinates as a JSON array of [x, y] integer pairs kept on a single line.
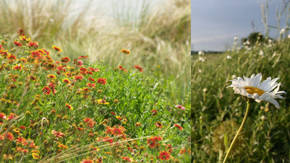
[[157, 32]]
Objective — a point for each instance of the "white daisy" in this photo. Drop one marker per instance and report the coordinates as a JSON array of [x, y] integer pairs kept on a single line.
[[252, 87]]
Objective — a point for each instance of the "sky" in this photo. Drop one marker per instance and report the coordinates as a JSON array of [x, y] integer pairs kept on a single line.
[[214, 23]]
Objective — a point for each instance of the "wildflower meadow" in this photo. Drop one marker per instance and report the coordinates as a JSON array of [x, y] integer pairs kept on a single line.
[[76, 92]]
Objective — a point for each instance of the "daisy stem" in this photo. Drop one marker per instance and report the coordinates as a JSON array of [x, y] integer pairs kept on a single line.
[[238, 132]]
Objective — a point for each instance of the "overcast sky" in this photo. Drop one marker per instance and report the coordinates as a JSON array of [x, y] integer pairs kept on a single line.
[[214, 23]]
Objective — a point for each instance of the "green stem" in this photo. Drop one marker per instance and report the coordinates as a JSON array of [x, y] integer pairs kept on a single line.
[[238, 132]]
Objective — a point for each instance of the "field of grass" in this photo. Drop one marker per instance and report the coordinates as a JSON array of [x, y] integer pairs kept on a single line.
[[77, 89], [217, 112]]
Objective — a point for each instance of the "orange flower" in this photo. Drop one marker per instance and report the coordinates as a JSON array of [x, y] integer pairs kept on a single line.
[[35, 156], [9, 136], [87, 161], [126, 51], [62, 146], [89, 122], [119, 130]]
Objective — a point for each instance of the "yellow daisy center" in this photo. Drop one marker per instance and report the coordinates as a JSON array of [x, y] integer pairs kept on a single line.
[[252, 90]]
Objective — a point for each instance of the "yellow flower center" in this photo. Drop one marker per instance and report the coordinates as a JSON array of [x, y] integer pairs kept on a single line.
[[252, 90]]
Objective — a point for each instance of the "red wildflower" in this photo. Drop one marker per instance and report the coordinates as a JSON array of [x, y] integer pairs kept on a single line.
[[57, 134], [79, 77], [87, 161], [61, 68], [33, 44], [92, 85], [58, 49], [21, 32], [122, 68], [180, 107], [2, 116], [158, 124], [153, 141], [154, 112], [22, 127], [46, 90], [83, 57], [94, 69], [127, 159], [11, 116], [80, 63], [67, 81], [164, 155], [178, 126], [52, 87], [119, 130], [108, 139], [11, 57], [65, 59], [69, 106], [21, 140], [17, 43], [32, 145], [102, 81], [139, 68], [91, 79], [87, 119], [89, 122], [17, 67]]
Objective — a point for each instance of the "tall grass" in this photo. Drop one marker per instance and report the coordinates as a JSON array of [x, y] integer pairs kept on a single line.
[[159, 43]]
